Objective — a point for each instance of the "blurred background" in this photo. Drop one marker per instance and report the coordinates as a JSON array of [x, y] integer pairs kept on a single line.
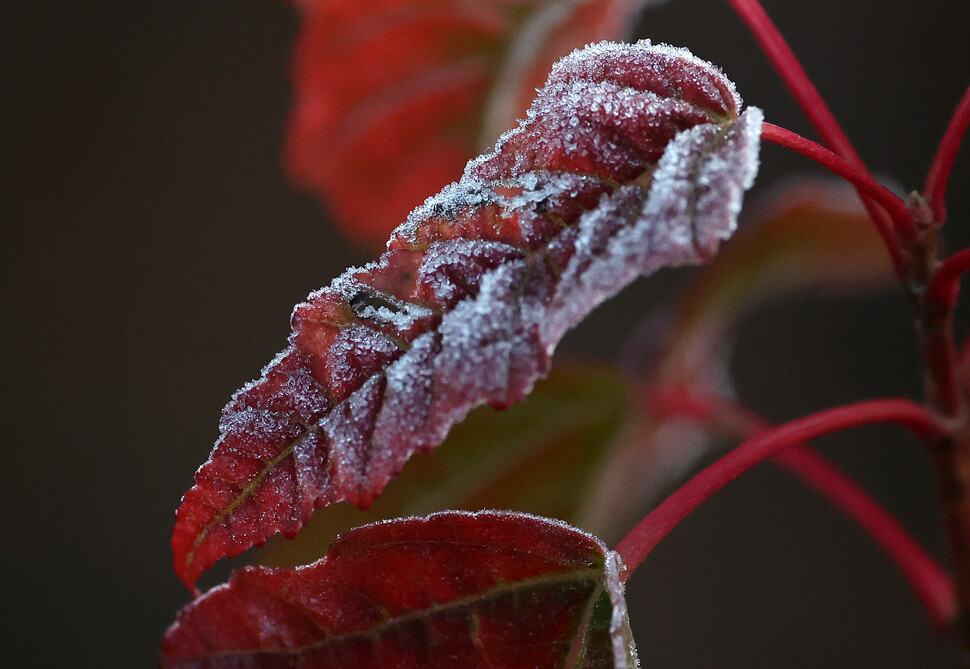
[[152, 250]]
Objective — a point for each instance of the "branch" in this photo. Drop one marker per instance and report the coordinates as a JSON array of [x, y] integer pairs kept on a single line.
[[803, 90], [926, 578], [635, 547], [793, 75], [944, 287], [936, 180], [858, 177]]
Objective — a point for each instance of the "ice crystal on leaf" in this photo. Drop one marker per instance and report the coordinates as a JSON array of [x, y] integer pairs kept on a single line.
[[631, 158]]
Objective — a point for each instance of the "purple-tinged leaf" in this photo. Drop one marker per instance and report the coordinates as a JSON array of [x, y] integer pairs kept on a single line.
[[455, 589], [632, 158]]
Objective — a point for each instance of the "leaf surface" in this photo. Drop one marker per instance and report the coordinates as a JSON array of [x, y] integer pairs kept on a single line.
[[452, 590], [538, 457], [632, 158], [403, 92]]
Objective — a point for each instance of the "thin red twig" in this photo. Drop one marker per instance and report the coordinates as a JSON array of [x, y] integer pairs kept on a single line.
[[936, 180], [944, 287], [635, 547], [928, 580], [795, 78], [858, 177], [803, 90]]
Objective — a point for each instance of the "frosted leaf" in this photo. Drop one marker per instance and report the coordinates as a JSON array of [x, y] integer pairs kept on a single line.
[[632, 158]]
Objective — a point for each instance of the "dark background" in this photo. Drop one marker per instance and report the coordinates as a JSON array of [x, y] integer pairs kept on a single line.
[[152, 250]]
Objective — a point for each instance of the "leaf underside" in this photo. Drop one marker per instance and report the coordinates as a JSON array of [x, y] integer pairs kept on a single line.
[[481, 590], [632, 158], [401, 92]]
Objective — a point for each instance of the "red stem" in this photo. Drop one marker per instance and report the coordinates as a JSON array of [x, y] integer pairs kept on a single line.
[[635, 547], [858, 177], [944, 287], [793, 74], [806, 95], [928, 580], [936, 180]]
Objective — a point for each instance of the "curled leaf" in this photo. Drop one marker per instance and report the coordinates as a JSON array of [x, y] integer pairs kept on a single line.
[[452, 590], [632, 158], [403, 92]]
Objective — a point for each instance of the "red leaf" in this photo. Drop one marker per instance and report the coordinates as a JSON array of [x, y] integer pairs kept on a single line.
[[452, 590], [632, 158], [402, 92], [536, 457]]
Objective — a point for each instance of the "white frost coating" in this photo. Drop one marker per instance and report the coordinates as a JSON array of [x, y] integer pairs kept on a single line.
[[493, 346], [700, 181], [566, 89], [467, 192], [673, 227], [401, 319], [588, 61], [478, 338], [624, 649], [348, 428], [401, 425]]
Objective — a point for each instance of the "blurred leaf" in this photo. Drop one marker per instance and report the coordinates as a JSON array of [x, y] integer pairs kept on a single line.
[[492, 589], [811, 235], [391, 97]]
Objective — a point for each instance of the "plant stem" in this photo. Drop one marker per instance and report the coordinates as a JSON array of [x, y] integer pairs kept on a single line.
[[944, 287], [927, 579], [935, 188], [943, 379], [934, 288], [635, 547], [793, 75], [806, 95], [860, 178]]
